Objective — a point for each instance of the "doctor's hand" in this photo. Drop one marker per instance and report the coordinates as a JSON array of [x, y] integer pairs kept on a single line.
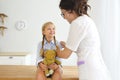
[[63, 44]]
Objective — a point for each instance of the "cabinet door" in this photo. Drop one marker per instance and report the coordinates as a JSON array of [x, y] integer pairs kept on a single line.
[[12, 60]]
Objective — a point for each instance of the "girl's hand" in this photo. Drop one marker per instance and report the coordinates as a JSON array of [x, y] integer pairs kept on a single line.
[[63, 44], [53, 66], [42, 66]]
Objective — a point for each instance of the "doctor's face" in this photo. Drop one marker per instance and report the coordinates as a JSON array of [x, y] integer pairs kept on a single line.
[[66, 15]]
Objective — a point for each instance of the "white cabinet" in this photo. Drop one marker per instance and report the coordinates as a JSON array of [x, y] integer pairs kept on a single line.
[[12, 60]]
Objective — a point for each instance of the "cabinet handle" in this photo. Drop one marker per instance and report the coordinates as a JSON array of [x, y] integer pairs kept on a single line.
[[10, 57]]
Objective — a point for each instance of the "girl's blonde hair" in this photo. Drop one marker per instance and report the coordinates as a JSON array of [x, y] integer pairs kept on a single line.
[[43, 28]]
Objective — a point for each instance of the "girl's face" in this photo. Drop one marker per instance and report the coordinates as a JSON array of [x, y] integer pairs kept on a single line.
[[49, 31]]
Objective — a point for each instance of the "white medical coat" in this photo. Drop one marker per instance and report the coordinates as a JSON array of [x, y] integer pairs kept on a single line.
[[83, 39]]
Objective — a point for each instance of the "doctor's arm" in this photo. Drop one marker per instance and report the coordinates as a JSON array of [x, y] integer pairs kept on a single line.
[[65, 53]]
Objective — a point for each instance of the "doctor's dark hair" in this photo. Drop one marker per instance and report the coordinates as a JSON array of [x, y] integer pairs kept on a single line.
[[80, 7]]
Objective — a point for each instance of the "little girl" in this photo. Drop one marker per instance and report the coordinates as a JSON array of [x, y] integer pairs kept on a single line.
[[48, 43]]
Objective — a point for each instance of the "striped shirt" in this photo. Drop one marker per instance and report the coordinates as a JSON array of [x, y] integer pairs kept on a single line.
[[47, 46]]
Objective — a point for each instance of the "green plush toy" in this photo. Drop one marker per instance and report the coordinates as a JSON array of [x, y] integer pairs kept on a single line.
[[50, 58]]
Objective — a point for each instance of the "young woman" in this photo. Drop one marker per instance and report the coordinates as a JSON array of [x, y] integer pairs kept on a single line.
[[48, 43], [83, 39]]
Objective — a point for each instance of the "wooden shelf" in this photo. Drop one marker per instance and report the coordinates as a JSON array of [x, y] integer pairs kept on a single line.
[[2, 28]]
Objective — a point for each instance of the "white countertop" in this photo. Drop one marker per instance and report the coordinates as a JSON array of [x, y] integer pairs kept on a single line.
[[13, 53]]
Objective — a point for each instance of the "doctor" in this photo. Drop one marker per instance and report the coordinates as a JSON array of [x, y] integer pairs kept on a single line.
[[83, 39]]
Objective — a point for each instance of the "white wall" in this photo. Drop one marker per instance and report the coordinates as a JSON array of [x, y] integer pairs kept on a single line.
[[106, 15]]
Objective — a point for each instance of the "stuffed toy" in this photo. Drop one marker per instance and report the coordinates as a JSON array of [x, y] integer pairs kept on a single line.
[[50, 58]]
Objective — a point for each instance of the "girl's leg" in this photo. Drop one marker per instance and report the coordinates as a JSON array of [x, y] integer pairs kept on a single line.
[[57, 74], [40, 75]]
